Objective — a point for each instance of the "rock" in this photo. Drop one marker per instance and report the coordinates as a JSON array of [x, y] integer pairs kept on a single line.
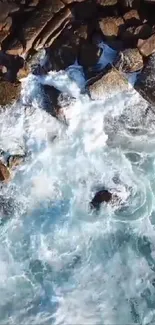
[[107, 84], [9, 92], [147, 47], [12, 65], [53, 29], [39, 18], [89, 54], [23, 72], [129, 60], [6, 9], [131, 34], [56, 101], [132, 18], [34, 3], [4, 173], [85, 10], [145, 83], [100, 197], [14, 161], [143, 31], [111, 26], [107, 2]]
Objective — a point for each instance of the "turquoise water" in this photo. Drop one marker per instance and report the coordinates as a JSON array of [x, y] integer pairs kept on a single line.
[[60, 263]]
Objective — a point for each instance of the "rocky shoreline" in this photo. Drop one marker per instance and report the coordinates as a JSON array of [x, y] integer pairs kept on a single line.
[[71, 31]]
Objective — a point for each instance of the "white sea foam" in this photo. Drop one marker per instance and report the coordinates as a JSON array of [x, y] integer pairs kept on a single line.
[[61, 263]]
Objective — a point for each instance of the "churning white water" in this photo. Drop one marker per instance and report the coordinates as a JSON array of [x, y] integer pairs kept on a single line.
[[61, 263]]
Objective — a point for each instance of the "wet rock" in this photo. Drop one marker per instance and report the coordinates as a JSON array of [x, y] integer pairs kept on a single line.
[[89, 54], [110, 26], [129, 60], [23, 72], [5, 175], [145, 83], [130, 35], [9, 92], [147, 47], [14, 161], [56, 101], [38, 70], [143, 31], [107, 84], [132, 18], [12, 65], [85, 10], [100, 197]]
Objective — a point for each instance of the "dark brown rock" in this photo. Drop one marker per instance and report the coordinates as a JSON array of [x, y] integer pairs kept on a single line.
[[107, 84], [143, 31], [12, 65], [132, 18], [85, 10], [110, 26], [89, 54], [99, 198], [4, 173], [147, 47], [129, 60], [145, 83]]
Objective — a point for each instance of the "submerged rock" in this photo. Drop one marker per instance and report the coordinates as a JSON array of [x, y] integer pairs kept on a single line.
[[145, 83], [129, 60], [5, 175], [106, 84], [7, 208], [100, 197]]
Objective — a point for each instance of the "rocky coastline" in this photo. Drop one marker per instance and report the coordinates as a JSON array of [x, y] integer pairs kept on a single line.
[[69, 31]]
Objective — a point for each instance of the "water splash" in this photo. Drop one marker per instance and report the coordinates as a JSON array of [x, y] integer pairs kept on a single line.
[[61, 263]]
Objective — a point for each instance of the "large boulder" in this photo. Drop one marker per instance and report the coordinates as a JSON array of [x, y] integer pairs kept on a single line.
[[46, 19], [129, 60], [107, 84], [145, 83]]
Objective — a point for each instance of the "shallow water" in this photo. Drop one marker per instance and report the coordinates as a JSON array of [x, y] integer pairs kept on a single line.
[[60, 263]]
